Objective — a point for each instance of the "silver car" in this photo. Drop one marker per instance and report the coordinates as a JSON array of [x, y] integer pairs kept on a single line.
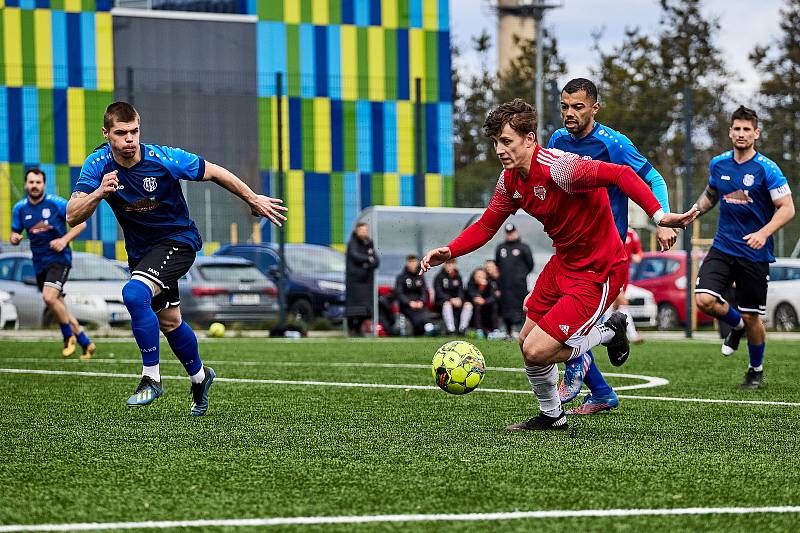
[[227, 289], [93, 292], [783, 295]]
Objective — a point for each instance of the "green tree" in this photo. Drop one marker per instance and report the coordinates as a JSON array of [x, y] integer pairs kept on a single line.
[[779, 64]]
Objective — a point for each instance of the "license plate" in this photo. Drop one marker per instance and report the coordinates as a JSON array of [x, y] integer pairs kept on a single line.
[[245, 299]]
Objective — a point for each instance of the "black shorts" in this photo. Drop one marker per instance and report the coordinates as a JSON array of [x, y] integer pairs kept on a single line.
[[54, 276], [720, 270], [164, 265]]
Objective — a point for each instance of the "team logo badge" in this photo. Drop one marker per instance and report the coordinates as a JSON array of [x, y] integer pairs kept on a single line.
[[150, 184], [564, 328], [46, 213], [540, 192], [749, 179]]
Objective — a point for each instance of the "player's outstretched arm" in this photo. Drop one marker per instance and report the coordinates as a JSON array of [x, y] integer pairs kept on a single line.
[[434, 257], [677, 220], [707, 200], [260, 205]]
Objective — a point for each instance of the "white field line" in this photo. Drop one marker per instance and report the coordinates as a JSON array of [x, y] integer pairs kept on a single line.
[[372, 386], [649, 381], [372, 519]]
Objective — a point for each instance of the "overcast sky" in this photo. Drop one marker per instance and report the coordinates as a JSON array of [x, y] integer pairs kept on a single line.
[[744, 23]]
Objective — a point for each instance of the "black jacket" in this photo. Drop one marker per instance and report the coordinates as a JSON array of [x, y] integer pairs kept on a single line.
[[487, 292], [409, 286], [447, 287], [361, 264], [515, 261]]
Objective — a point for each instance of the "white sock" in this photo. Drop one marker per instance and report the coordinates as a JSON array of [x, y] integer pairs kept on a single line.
[[544, 381], [631, 330], [466, 316], [447, 315], [199, 377], [598, 334], [154, 372]]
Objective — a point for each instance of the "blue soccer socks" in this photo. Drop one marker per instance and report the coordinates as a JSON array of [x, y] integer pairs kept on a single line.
[[183, 342], [137, 297]]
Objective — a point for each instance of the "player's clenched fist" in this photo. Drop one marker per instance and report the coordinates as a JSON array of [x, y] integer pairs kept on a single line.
[[264, 206], [109, 184]]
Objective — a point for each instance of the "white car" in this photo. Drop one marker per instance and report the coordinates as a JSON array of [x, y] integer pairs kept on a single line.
[[783, 295], [93, 292], [641, 305], [8, 312]]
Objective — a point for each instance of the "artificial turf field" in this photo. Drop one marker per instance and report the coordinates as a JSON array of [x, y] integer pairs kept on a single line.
[[71, 451]]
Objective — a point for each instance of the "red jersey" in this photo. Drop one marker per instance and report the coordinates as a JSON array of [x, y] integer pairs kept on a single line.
[[633, 245], [567, 195]]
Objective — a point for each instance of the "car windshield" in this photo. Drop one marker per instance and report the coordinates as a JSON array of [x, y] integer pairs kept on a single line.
[[89, 268], [237, 273], [315, 260]]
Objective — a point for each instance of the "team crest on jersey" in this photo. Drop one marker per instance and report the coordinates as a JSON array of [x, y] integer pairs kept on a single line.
[[150, 184], [540, 192], [46, 212], [749, 180], [564, 328]]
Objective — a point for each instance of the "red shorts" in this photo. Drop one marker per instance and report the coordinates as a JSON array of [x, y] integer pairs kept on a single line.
[[628, 264], [566, 307]]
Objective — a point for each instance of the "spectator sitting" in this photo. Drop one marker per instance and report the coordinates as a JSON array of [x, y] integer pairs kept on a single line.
[[494, 277], [482, 295], [410, 290], [449, 290]]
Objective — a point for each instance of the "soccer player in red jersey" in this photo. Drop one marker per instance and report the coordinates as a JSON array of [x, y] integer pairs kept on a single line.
[[566, 194]]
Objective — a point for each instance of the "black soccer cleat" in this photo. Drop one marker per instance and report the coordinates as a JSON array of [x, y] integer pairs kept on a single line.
[[619, 347], [731, 342], [752, 380], [542, 422]]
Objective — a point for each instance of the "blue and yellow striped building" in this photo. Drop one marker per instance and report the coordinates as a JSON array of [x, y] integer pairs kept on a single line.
[[349, 69]]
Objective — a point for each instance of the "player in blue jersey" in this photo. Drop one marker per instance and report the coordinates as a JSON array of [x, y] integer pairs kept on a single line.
[[756, 202], [584, 136], [44, 217], [141, 184]]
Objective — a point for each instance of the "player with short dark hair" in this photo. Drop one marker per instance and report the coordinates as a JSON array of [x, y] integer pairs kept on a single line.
[[565, 193], [584, 136], [141, 184], [411, 292], [756, 202], [43, 216]]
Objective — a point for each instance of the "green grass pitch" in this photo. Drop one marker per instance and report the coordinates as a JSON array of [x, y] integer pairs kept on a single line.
[[72, 452]]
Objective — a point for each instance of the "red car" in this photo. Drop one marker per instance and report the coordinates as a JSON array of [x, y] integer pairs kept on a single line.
[[664, 274]]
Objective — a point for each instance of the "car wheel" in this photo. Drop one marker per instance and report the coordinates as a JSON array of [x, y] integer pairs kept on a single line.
[[301, 311], [667, 317], [786, 318]]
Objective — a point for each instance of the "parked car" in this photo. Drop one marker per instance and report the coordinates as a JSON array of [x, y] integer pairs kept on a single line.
[[227, 289], [315, 276], [664, 274], [93, 292], [641, 305], [8, 312], [783, 295]]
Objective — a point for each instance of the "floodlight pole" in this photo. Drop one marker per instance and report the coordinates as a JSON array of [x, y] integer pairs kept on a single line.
[[534, 9]]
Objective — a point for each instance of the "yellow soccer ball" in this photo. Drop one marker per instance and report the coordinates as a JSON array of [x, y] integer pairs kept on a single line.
[[458, 367], [216, 330]]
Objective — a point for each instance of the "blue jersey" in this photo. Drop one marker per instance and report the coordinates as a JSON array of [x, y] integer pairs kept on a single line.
[[44, 222], [605, 144], [747, 192], [149, 203]]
